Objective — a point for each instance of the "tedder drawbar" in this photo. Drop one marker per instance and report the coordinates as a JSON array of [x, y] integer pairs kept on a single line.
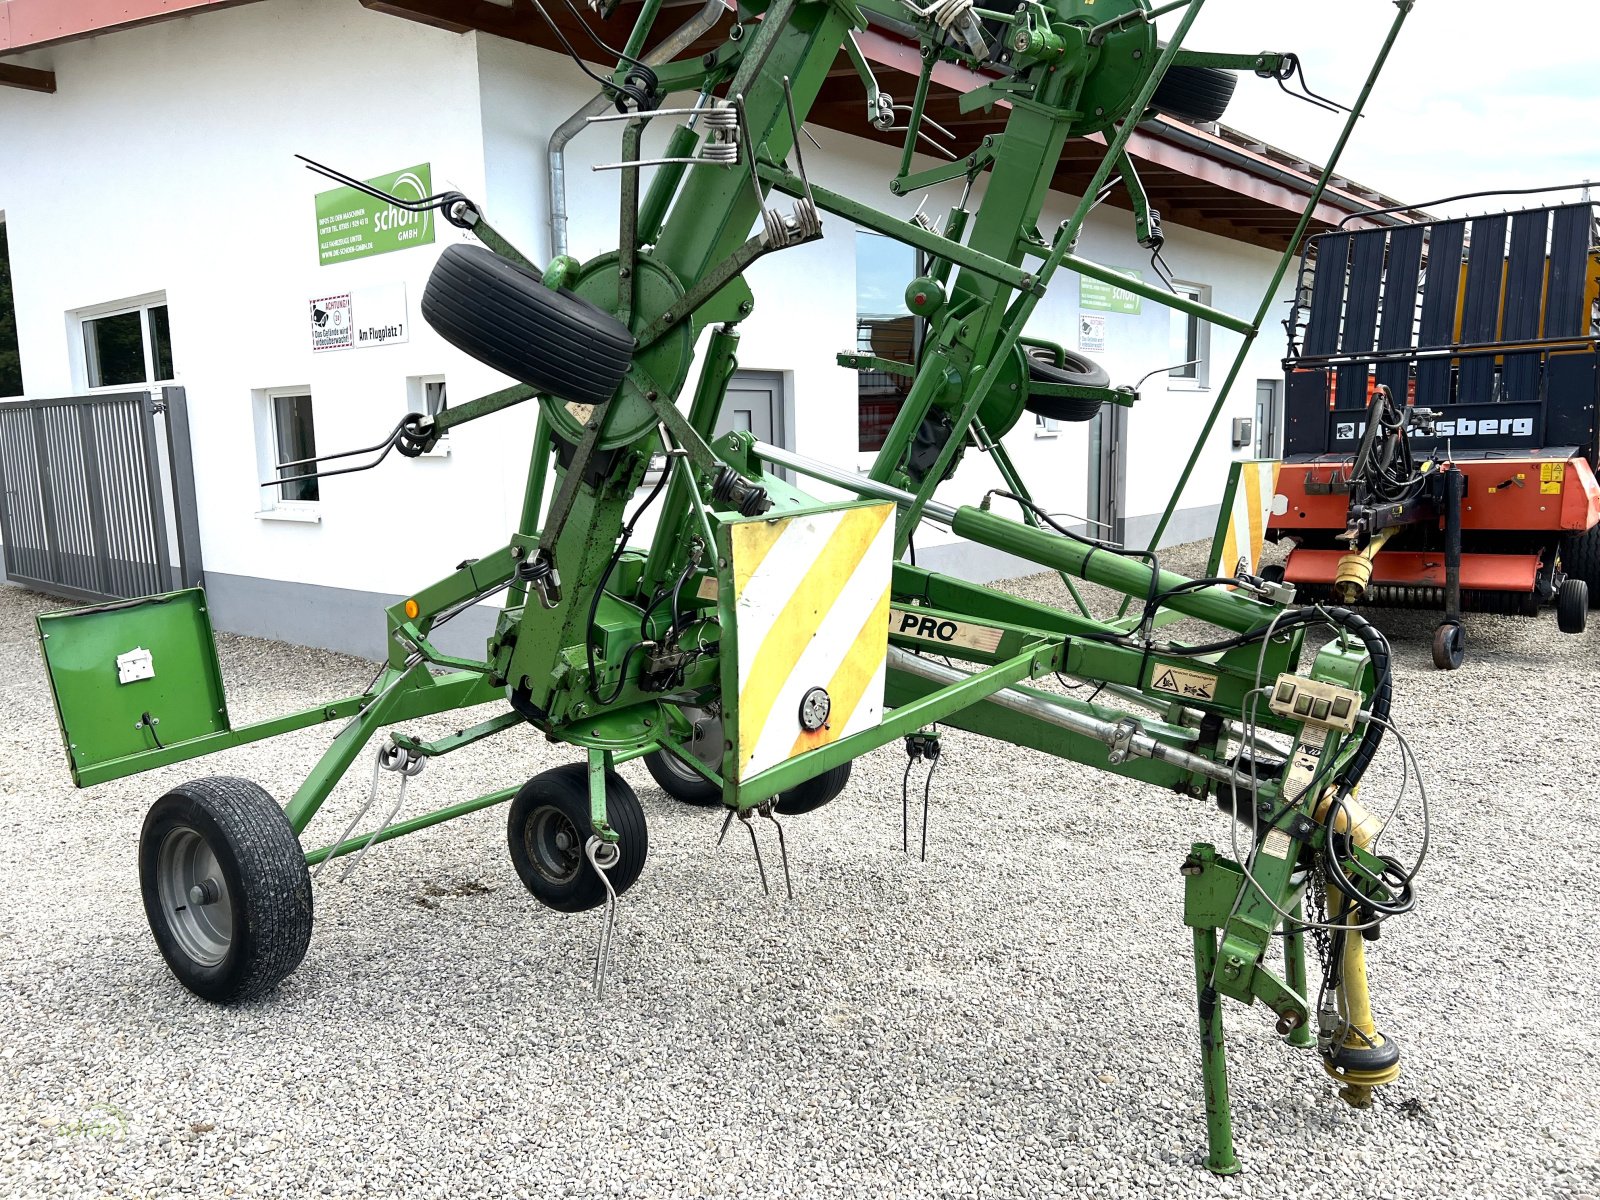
[[764, 639]]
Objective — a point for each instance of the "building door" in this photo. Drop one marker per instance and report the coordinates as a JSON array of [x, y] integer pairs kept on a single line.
[[1108, 473], [755, 405], [1269, 418]]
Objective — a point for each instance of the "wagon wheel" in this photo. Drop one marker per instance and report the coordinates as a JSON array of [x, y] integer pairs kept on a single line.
[[225, 888]]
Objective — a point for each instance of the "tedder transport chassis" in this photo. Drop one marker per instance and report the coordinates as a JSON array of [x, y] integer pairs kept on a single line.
[[765, 639]]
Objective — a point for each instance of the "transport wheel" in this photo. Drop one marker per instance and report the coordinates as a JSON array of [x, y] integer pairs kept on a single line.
[[548, 828], [1075, 370], [1195, 93], [1572, 606], [683, 782], [504, 316], [1449, 646], [1580, 559], [225, 888], [1273, 572], [814, 792]]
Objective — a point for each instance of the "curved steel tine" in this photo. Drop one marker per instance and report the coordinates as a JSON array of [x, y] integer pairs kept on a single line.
[[372, 796], [726, 821], [388, 820], [426, 203], [602, 954], [783, 850], [756, 846]]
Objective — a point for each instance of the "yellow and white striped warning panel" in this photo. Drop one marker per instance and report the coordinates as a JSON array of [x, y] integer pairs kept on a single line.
[[1251, 500], [811, 614]]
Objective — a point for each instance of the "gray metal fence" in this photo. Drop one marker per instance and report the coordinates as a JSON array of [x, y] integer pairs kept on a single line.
[[92, 502]]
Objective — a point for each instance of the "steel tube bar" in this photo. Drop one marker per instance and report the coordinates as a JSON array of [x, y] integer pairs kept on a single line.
[[1141, 744], [942, 514], [436, 817]]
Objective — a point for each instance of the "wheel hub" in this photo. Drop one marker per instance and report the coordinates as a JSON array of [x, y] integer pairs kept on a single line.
[[194, 898]]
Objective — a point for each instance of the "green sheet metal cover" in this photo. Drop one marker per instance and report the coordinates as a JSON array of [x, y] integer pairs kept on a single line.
[[110, 665]]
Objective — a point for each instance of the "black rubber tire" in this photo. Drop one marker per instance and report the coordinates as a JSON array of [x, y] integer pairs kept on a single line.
[[814, 792], [1077, 371], [505, 317], [1580, 559], [1449, 646], [267, 886], [558, 879], [1572, 606], [1195, 93], [1273, 572], [681, 782]]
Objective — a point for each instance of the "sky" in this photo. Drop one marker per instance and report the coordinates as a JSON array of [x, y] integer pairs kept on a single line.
[[1471, 98]]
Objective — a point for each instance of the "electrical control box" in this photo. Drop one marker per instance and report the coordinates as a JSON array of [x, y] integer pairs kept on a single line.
[[1314, 702]]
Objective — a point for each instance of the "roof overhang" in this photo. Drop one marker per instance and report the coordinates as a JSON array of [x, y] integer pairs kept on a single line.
[[31, 24], [1211, 179]]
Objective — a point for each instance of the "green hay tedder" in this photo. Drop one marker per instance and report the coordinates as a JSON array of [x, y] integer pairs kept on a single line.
[[764, 639]]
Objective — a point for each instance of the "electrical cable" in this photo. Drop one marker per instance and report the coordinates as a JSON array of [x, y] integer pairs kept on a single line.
[[600, 590]]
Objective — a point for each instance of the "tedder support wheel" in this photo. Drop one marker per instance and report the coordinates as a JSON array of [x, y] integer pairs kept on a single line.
[[548, 828], [1449, 645], [225, 888], [1075, 370], [814, 792], [1572, 606], [684, 783]]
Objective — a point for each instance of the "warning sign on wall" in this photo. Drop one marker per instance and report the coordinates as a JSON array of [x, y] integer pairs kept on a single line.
[[330, 323], [1091, 333], [361, 318]]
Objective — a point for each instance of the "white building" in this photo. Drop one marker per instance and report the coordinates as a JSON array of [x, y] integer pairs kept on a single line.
[[158, 179]]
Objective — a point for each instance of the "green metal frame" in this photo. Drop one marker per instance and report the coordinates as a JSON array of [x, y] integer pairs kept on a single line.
[[567, 657]]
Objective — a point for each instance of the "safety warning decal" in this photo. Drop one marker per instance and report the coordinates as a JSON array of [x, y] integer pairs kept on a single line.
[[1190, 685]]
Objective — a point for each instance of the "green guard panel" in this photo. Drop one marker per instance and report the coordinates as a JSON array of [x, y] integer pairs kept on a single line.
[[101, 717]]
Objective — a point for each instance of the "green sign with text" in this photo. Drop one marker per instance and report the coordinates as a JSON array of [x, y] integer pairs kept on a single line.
[[351, 224], [1105, 297]]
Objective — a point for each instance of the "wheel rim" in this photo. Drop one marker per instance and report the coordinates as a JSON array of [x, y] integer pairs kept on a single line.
[[194, 896], [554, 845], [705, 743]]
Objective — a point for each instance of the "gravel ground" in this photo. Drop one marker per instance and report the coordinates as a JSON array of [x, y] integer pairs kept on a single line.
[[1013, 1018]]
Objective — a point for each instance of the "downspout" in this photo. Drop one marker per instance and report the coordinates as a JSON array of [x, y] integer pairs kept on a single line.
[[671, 46]]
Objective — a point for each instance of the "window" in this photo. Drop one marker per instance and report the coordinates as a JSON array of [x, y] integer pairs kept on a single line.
[[127, 344], [286, 433], [885, 329], [426, 394], [1191, 338], [10, 351]]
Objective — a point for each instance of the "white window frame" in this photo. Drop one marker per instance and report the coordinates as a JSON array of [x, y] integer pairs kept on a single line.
[[1196, 378], [272, 506], [416, 401], [78, 318]]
